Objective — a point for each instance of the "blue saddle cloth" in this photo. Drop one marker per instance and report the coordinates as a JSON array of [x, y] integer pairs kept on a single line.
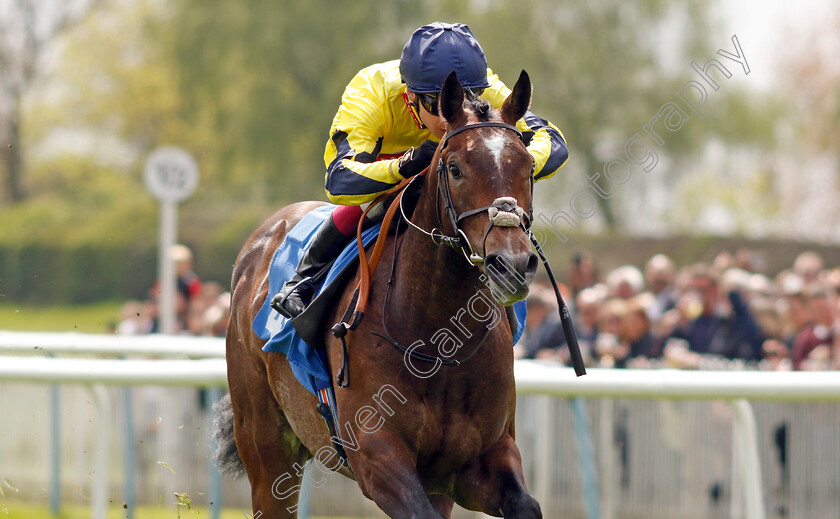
[[309, 364]]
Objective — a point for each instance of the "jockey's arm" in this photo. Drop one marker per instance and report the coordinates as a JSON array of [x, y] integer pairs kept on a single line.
[[354, 176], [545, 141]]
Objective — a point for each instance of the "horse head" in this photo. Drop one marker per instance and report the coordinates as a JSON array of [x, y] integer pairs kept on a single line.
[[484, 178]]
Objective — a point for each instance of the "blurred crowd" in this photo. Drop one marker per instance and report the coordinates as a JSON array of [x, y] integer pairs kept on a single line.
[[200, 308], [726, 314]]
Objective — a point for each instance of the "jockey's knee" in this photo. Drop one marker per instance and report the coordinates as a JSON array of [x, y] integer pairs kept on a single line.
[[346, 218]]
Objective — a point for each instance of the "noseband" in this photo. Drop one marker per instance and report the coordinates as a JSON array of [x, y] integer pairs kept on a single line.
[[503, 212]]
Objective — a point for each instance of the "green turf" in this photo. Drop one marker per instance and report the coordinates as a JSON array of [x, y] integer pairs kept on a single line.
[[17, 510], [92, 318], [10, 509]]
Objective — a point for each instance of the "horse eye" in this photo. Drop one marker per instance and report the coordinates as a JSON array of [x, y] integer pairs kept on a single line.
[[454, 170]]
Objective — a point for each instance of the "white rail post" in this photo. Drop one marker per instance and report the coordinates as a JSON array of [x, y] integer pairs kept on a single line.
[[545, 440], [586, 457], [99, 495], [750, 473], [607, 457]]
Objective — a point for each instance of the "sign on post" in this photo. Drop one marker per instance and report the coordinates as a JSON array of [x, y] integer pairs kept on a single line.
[[171, 176]]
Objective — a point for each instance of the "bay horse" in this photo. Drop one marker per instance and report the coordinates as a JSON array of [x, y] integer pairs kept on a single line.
[[423, 429]]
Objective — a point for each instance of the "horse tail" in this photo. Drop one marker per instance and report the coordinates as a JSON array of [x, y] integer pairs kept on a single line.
[[226, 456]]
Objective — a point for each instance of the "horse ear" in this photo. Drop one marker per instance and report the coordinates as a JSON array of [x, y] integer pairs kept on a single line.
[[451, 102], [518, 102]]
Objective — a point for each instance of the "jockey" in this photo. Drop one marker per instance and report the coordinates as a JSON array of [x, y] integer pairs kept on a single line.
[[388, 128]]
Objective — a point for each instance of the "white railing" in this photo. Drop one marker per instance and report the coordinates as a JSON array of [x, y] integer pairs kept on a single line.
[[208, 369], [735, 387], [119, 345], [115, 372], [671, 384]]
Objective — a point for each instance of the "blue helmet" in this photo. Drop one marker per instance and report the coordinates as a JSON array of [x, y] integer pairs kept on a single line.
[[435, 50]]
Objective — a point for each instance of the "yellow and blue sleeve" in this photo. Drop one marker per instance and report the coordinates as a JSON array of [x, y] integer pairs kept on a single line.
[[354, 176]]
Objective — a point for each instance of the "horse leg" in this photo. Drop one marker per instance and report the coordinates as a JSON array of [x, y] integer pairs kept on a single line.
[[494, 484], [274, 460], [386, 473], [273, 455], [443, 503]]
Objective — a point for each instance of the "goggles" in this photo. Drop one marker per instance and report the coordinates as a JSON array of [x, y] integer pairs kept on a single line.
[[430, 101]]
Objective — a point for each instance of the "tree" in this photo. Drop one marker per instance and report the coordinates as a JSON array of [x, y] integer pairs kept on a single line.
[[811, 76], [250, 87], [268, 82], [26, 29], [602, 69]]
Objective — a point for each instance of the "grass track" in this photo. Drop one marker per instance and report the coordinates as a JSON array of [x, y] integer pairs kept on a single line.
[[93, 318], [19, 510], [10, 509]]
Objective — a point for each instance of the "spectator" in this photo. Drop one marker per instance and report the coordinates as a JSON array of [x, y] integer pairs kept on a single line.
[[200, 304], [832, 280], [188, 283], [791, 307], [540, 332], [723, 261], [188, 288], [696, 317], [659, 276], [134, 320], [729, 332], [750, 260], [218, 315], [588, 305], [608, 348], [635, 334], [583, 273], [812, 347], [586, 315], [153, 310], [808, 266], [775, 355], [768, 319], [625, 282], [760, 287]]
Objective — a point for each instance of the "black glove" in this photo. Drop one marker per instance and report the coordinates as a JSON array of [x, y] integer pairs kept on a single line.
[[417, 159]]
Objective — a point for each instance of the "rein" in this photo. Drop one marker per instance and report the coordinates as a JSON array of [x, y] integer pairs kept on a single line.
[[423, 357], [503, 212]]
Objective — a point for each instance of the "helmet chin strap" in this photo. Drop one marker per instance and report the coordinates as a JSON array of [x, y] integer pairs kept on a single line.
[[414, 111]]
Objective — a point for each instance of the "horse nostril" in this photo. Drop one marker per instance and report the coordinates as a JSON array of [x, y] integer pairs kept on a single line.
[[492, 260], [510, 266], [533, 263]]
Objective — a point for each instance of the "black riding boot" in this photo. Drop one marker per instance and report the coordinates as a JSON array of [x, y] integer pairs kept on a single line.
[[297, 293]]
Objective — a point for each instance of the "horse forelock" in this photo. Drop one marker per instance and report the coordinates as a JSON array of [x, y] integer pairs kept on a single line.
[[495, 141], [481, 109]]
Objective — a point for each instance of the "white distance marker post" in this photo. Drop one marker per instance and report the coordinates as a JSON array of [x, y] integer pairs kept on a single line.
[[171, 176]]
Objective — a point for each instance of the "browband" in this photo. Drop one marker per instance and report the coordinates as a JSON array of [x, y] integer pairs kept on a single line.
[[478, 125]]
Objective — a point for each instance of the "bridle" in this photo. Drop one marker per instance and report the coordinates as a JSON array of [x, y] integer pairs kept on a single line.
[[503, 212]]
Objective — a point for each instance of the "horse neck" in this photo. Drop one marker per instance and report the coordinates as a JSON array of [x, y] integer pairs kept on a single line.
[[434, 279]]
